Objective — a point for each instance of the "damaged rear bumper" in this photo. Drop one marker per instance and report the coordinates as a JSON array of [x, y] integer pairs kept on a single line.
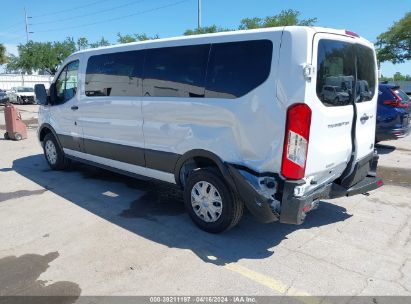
[[294, 209], [270, 198]]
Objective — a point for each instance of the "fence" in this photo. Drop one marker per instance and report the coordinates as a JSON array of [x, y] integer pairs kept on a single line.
[[8, 81], [404, 85]]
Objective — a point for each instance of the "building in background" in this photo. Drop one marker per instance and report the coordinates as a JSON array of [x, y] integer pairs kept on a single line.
[[8, 81]]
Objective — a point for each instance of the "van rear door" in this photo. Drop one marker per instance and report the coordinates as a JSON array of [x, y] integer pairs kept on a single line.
[[342, 130], [365, 101]]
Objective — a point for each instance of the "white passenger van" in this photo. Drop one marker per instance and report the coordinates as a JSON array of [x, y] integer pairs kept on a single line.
[[234, 118]]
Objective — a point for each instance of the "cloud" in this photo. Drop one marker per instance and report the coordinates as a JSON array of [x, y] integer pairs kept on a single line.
[[11, 48]]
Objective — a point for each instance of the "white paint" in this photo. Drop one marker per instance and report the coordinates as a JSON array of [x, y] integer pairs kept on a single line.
[[8, 81]]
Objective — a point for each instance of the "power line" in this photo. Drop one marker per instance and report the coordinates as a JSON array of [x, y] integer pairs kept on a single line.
[[90, 14], [114, 19], [70, 9], [12, 26], [13, 39]]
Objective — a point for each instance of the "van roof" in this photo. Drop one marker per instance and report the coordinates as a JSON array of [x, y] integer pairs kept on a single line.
[[227, 33]]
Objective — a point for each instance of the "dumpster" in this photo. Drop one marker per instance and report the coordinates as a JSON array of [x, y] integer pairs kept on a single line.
[[15, 127]]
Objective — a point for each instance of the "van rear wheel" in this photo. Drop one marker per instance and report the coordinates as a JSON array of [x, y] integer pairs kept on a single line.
[[210, 203]]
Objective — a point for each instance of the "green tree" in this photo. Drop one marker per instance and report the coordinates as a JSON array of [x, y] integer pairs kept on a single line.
[[399, 77], [205, 30], [82, 43], [395, 44], [383, 78], [284, 18], [102, 42], [134, 37], [13, 64], [44, 56], [3, 56]]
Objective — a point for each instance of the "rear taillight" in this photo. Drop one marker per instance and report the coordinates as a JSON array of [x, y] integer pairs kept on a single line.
[[396, 102], [297, 134]]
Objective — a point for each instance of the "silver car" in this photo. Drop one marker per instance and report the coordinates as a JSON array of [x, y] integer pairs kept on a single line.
[[21, 95]]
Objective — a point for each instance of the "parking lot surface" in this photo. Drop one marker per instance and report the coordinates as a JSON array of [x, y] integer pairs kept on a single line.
[[87, 231]]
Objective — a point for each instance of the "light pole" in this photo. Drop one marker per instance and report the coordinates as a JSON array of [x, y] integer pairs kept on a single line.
[[199, 15], [27, 24]]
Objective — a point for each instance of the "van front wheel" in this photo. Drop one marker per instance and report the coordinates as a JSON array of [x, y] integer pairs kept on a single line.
[[210, 203], [54, 154]]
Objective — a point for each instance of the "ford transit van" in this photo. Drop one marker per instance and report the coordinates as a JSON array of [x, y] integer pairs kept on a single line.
[[270, 119]]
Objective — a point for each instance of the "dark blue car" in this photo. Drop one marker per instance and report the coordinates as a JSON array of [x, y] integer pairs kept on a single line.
[[393, 113]]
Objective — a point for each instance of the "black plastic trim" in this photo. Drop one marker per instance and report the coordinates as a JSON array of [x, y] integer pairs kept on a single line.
[[258, 205], [292, 207], [123, 153], [359, 171], [205, 154], [71, 142], [160, 160], [49, 127]]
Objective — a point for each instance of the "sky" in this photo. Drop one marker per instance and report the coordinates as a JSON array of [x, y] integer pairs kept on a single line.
[[55, 20]]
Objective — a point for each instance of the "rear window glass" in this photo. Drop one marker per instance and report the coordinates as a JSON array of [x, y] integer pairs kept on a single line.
[[236, 68], [336, 62], [366, 82], [336, 72], [402, 94]]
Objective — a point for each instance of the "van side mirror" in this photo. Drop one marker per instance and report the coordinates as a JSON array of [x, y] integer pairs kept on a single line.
[[53, 94], [41, 94]]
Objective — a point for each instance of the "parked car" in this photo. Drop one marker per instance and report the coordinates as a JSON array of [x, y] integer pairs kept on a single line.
[[3, 97], [21, 95], [393, 113], [334, 94], [232, 118]]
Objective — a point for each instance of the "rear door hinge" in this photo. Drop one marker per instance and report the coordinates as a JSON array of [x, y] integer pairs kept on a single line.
[[308, 71]]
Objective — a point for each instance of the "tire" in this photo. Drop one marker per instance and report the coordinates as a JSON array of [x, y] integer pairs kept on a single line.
[[18, 100], [217, 219], [336, 100], [6, 136], [54, 154], [18, 136]]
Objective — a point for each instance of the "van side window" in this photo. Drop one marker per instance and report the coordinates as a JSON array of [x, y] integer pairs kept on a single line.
[[115, 74], [176, 71], [236, 68], [66, 83]]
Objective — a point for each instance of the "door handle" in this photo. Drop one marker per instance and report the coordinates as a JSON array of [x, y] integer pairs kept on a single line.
[[74, 108], [364, 118]]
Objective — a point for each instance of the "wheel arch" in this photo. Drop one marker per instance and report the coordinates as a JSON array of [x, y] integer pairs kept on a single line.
[[46, 129], [200, 158]]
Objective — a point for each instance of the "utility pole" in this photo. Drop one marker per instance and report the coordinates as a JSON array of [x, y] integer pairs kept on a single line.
[[199, 15], [27, 24]]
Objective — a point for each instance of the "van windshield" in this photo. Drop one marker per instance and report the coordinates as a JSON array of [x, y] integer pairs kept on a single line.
[[336, 64]]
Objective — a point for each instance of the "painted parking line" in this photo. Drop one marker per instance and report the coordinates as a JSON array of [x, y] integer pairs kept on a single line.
[[273, 284]]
